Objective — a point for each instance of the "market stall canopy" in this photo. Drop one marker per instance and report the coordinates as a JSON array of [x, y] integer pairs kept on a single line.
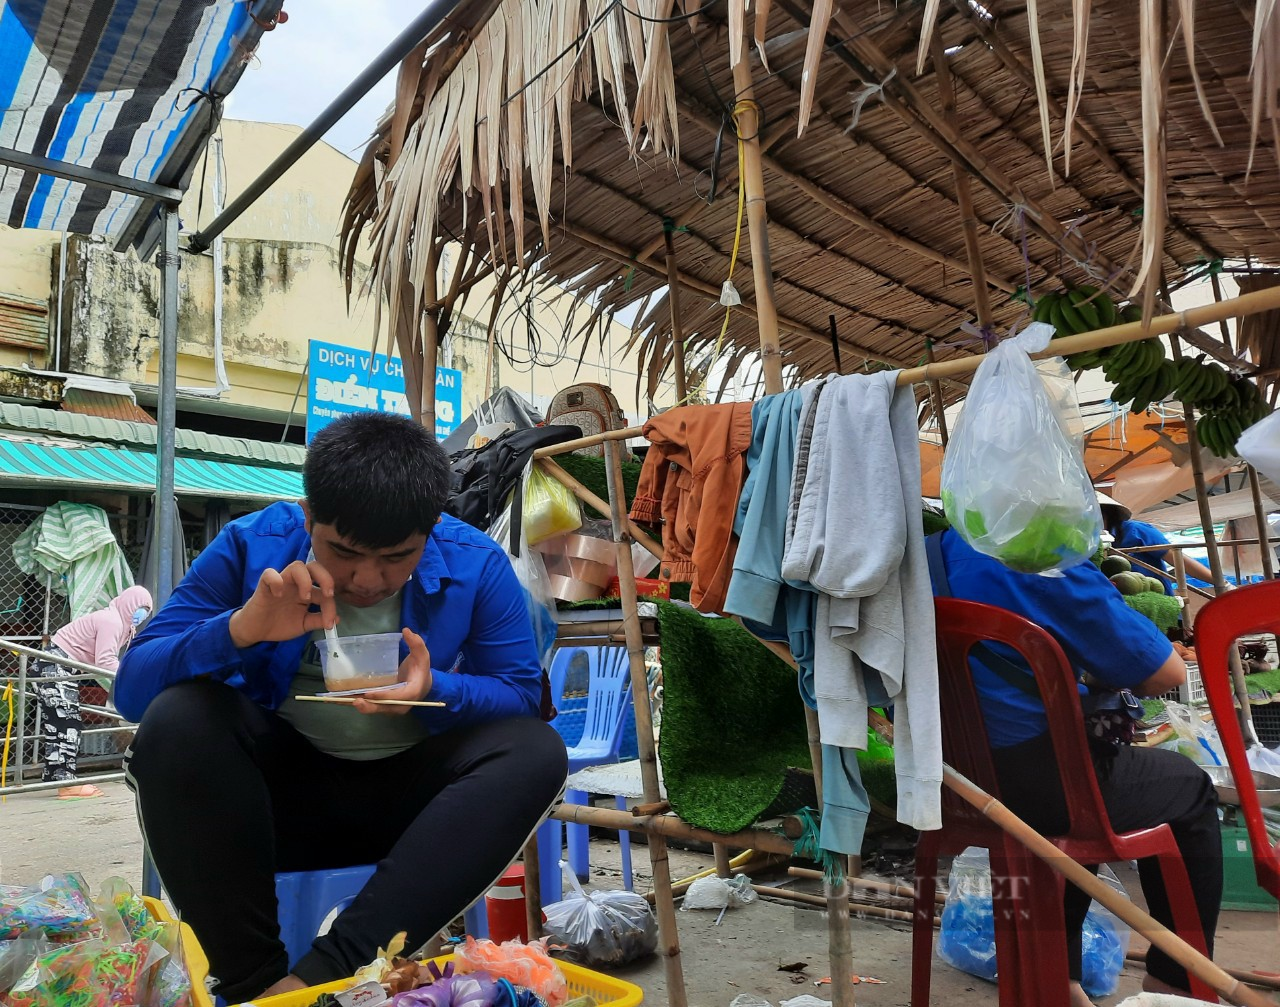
[[126, 89], [562, 155], [1223, 506]]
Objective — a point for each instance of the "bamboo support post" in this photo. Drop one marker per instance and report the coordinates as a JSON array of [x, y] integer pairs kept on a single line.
[[1163, 938], [1238, 683], [671, 827], [747, 117], [1264, 532], [430, 343], [591, 500], [721, 853], [1180, 573], [673, 300], [532, 889], [659, 862], [937, 403]]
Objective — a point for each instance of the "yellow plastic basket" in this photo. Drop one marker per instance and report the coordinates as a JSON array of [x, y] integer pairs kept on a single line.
[[197, 963], [607, 991]]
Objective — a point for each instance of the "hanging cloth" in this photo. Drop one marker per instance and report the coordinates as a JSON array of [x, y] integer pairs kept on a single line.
[[71, 550]]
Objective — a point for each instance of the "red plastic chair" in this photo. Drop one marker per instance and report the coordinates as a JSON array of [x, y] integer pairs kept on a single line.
[[1248, 610], [1029, 916]]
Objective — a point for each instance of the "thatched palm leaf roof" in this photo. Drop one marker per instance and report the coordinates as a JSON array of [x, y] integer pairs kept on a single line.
[[863, 224]]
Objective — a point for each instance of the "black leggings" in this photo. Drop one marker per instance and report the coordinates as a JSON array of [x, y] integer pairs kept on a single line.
[[1144, 787], [229, 794]]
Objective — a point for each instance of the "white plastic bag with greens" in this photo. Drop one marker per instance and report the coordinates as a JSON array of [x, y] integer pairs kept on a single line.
[[1014, 483], [601, 929]]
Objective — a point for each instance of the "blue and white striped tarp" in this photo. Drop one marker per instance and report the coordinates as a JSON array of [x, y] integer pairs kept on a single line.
[[116, 85]]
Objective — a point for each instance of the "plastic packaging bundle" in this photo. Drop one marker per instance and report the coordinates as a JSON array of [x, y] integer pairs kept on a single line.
[[550, 508], [1014, 483], [967, 940], [720, 893], [526, 965], [602, 929], [531, 571]]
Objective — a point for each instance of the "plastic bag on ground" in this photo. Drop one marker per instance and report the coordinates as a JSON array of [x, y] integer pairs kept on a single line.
[[967, 940], [1014, 483], [601, 929], [749, 1000], [719, 893]]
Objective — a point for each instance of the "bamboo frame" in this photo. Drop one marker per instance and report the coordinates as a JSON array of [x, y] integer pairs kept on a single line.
[[669, 940], [677, 323], [1264, 535]]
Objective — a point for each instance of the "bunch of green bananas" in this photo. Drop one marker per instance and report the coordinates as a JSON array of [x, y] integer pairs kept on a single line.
[[1141, 373], [1237, 406], [1203, 384], [1081, 309]]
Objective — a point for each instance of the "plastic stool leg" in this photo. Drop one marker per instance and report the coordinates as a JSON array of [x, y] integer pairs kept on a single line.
[[477, 921], [550, 850], [579, 839], [624, 849]]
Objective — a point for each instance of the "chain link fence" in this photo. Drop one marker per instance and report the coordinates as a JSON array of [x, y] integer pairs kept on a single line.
[[30, 614]]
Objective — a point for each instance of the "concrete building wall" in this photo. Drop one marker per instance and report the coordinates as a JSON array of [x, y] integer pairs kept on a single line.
[[281, 286]]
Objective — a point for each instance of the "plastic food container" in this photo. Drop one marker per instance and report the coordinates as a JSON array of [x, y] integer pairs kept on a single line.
[[367, 662], [607, 991]]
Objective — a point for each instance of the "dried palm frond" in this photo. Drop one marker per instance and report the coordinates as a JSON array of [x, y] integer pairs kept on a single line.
[[818, 22], [1042, 91], [927, 27], [1265, 74], [1188, 10], [763, 7], [1075, 80], [1153, 157]]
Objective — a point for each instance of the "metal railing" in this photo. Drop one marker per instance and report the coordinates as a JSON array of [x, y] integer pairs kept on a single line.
[[24, 742]]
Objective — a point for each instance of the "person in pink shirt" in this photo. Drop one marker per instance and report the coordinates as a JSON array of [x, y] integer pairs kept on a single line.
[[97, 639]]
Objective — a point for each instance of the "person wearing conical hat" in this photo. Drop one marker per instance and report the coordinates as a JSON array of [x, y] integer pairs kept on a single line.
[[1129, 534]]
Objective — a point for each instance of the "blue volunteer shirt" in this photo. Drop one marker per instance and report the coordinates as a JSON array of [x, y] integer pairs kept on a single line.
[[1137, 533], [1082, 610], [463, 599]]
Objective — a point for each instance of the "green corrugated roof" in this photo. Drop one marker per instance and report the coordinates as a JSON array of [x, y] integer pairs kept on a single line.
[[37, 463], [32, 419]]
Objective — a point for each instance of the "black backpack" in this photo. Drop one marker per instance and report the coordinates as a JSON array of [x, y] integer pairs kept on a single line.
[[480, 481], [482, 477]]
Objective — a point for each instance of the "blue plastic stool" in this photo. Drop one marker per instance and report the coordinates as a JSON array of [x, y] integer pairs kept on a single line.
[[305, 900], [594, 737]]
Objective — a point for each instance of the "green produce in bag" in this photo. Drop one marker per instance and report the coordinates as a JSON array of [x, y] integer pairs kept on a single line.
[[1014, 484]]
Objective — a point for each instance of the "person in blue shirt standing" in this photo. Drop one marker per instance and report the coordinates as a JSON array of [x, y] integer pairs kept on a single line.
[[1141, 787], [236, 779], [1129, 534]]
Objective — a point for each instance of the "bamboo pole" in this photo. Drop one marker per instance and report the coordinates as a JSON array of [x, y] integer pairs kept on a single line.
[[1163, 938], [819, 901], [430, 343], [498, 291], [1264, 533], [591, 500], [532, 889], [1241, 688], [1180, 574], [869, 884], [1266, 982], [747, 118], [659, 862], [673, 301], [721, 854], [964, 191], [665, 827], [939, 404], [1130, 332]]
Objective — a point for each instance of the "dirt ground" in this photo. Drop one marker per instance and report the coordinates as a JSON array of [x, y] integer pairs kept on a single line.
[[100, 838]]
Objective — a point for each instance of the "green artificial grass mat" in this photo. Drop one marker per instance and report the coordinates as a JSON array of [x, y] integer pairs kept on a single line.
[[733, 725], [589, 471], [1160, 608], [1269, 680]]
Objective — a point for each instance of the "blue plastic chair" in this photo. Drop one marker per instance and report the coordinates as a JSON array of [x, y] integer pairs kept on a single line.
[[608, 674]]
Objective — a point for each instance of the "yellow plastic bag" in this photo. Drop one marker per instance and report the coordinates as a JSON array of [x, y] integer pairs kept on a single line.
[[550, 508]]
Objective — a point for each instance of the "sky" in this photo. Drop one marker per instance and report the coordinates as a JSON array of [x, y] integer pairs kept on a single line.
[[304, 63]]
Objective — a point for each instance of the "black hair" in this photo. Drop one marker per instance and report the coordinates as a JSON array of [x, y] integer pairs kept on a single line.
[[378, 478]]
